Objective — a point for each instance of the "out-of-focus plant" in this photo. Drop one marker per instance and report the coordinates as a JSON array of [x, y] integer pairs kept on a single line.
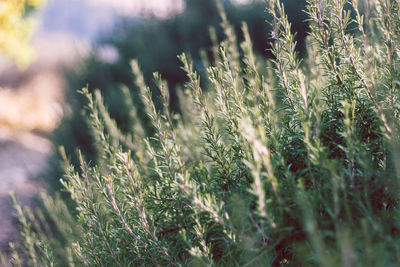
[[16, 29]]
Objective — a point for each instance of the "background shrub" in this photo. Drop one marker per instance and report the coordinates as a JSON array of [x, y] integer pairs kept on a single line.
[[17, 29]]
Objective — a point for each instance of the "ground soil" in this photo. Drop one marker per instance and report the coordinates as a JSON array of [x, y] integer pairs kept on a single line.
[[23, 157], [31, 107]]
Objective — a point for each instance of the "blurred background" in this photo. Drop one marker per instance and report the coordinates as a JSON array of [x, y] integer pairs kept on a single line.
[[70, 44]]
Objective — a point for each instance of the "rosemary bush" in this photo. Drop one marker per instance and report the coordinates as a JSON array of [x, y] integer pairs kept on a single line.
[[293, 164], [135, 39]]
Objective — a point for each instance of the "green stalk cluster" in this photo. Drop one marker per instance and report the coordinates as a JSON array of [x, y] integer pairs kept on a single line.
[[286, 162]]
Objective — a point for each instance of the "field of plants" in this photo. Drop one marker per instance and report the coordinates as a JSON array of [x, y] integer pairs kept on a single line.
[[235, 158]]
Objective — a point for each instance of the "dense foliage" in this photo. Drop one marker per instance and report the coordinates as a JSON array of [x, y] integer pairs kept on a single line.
[[135, 38], [295, 167]]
